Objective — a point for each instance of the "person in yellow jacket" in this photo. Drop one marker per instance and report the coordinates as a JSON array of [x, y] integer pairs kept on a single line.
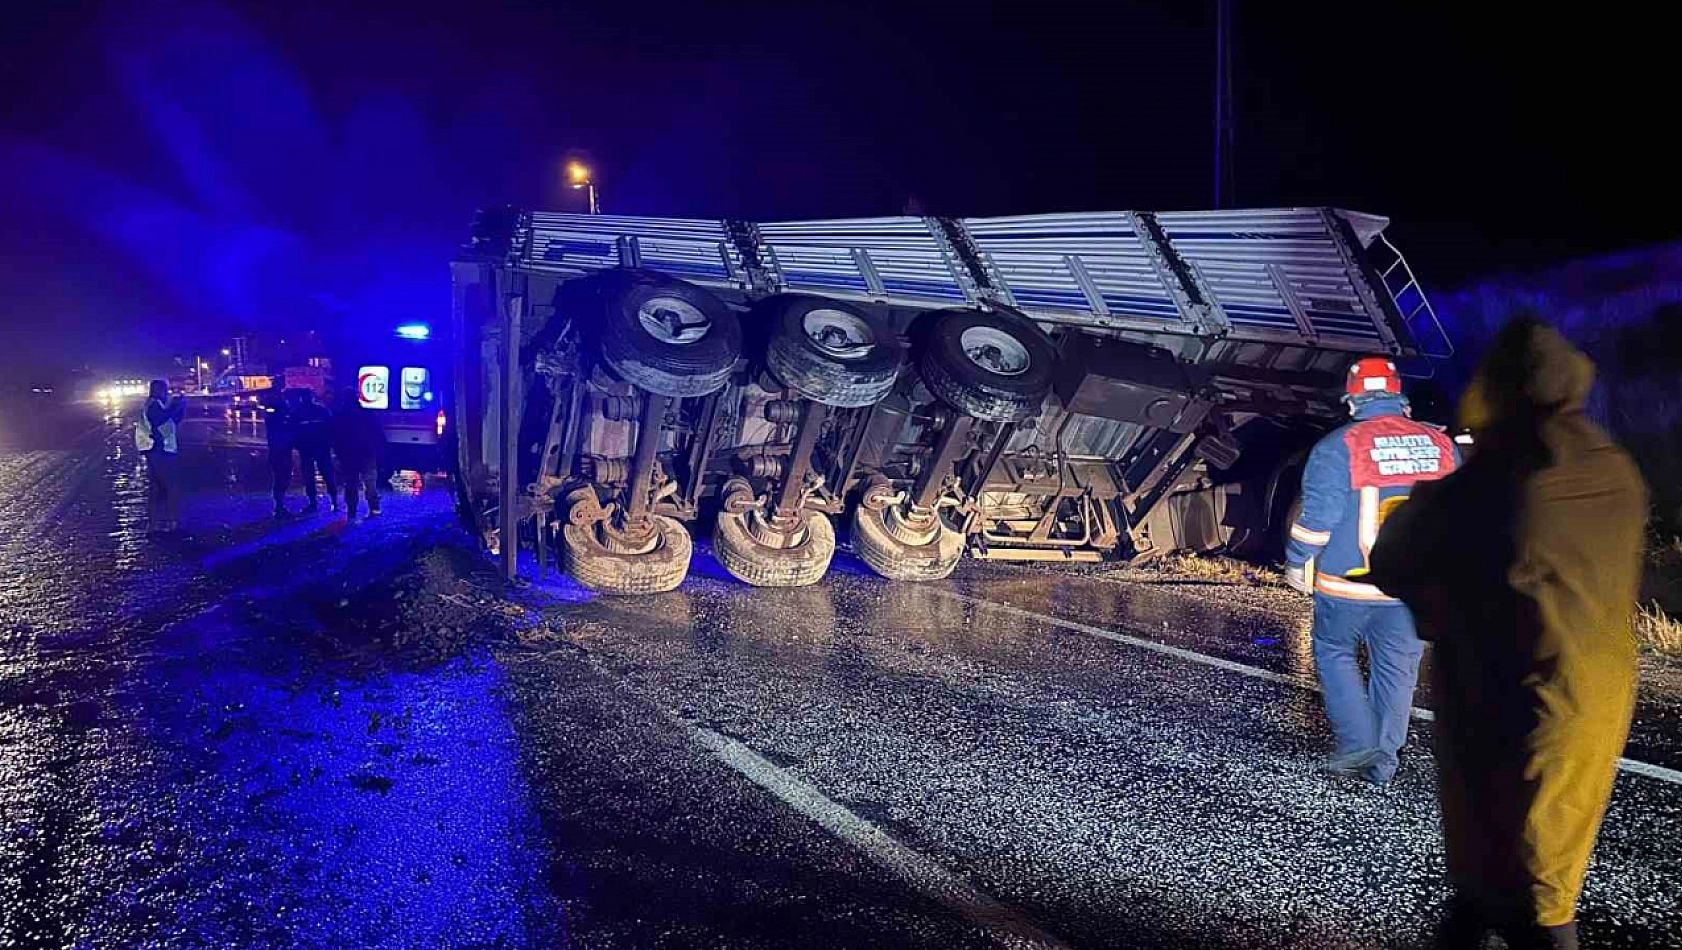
[[1522, 570]]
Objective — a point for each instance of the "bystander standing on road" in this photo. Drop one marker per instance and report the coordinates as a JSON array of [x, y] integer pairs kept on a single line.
[[1354, 475], [311, 426], [277, 430], [156, 435], [1523, 569], [358, 441]]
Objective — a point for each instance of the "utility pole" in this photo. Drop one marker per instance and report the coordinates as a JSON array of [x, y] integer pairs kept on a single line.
[[1223, 103], [579, 176]]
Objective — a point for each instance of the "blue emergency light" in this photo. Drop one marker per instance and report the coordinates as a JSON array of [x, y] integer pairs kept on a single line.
[[414, 331]]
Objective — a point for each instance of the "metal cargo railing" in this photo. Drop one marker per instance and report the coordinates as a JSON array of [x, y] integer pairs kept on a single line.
[[1285, 274], [898, 259], [1077, 266], [1293, 276], [697, 250]]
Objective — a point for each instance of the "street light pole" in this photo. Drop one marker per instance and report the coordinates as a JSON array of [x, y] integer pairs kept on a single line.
[[579, 176]]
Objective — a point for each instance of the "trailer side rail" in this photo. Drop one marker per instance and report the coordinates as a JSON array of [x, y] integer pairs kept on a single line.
[[1297, 277]]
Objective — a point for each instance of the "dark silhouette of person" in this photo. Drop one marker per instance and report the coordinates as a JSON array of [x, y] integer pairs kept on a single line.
[[311, 427], [358, 441], [1522, 570], [277, 430]]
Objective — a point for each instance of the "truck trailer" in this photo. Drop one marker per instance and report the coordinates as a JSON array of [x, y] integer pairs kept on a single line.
[[1055, 387]]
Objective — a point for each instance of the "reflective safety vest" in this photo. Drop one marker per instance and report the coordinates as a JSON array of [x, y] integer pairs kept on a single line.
[[148, 437], [1355, 477]]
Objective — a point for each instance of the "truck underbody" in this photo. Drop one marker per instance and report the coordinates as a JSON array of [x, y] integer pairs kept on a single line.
[[1071, 387]]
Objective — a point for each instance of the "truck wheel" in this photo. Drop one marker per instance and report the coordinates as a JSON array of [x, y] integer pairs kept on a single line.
[[834, 353], [661, 568], [899, 560], [763, 565], [665, 336], [991, 365]]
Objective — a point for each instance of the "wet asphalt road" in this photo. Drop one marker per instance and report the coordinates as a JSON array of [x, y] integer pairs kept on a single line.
[[252, 736]]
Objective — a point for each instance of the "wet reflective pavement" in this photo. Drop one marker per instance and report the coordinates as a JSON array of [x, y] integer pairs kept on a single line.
[[250, 736]]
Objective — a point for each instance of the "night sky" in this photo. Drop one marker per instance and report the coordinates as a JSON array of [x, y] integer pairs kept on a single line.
[[170, 172]]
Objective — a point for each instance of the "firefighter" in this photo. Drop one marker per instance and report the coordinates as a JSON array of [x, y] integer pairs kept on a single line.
[[1523, 570], [1354, 477]]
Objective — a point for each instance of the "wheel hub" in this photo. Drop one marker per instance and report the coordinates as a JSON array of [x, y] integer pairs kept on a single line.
[[838, 333], [912, 526], [995, 351], [671, 320], [774, 532], [629, 536]]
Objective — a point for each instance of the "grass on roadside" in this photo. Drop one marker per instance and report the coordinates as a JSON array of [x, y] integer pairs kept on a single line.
[[1214, 570], [1656, 624], [1658, 630]]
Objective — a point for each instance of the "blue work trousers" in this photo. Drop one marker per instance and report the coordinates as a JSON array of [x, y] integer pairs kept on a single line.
[[1371, 714]]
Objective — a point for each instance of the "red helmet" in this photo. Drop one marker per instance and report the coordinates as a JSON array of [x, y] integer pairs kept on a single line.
[[1373, 374]]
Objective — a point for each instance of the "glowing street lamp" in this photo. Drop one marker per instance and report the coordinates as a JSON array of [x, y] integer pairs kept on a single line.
[[578, 176], [227, 352]]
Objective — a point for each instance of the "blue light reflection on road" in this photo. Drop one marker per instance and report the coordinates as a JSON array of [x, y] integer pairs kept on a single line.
[[311, 809], [264, 773]]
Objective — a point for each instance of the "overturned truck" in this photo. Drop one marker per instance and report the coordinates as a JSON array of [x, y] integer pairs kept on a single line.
[[1065, 387]]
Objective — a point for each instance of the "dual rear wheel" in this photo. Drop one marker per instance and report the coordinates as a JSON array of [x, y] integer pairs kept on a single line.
[[903, 551], [834, 354], [669, 338], [757, 553]]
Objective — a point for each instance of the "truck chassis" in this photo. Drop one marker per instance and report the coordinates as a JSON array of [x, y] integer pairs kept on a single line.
[[1063, 388]]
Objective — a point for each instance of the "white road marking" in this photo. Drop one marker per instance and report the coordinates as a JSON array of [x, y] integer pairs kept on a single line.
[[920, 873], [1648, 769]]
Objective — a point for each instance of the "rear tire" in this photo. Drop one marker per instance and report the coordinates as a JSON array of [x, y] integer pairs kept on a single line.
[[897, 560], [662, 335], [834, 353], [764, 566], [992, 365], [659, 569]]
